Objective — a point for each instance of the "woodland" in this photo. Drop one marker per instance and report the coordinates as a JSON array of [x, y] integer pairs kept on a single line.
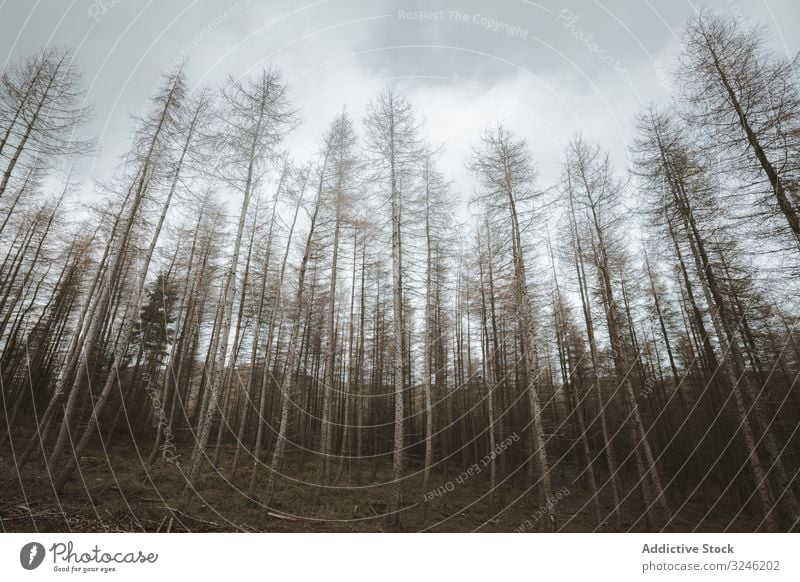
[[220, 336]]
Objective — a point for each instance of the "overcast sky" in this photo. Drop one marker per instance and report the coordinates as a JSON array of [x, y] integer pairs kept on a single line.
[[548, 69]]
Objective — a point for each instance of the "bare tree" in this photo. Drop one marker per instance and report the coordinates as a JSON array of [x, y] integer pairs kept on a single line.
[[392, 140], [507, 177], [748, 99], [595, 192], [255, 118]]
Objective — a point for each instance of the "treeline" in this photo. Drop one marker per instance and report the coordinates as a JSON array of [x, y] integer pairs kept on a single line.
[[633, 328]]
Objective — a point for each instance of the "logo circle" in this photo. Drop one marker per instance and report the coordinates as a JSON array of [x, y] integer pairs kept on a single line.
[[31, 555]]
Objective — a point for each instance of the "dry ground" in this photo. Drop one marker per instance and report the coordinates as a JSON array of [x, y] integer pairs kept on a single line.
[[114, 492]]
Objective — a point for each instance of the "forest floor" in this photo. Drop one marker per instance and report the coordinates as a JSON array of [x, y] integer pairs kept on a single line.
[[114, 492]]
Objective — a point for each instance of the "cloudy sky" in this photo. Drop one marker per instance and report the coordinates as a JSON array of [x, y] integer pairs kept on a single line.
[[547, 68]]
